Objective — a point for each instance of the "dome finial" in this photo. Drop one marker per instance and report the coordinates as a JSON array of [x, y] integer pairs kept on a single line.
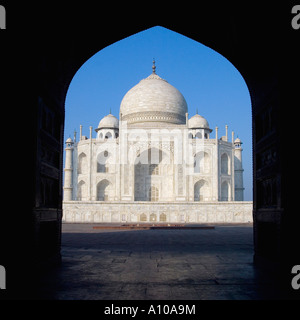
[[153, 67]]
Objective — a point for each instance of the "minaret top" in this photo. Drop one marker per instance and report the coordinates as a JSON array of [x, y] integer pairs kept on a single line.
[[69, 143], [238, 143]]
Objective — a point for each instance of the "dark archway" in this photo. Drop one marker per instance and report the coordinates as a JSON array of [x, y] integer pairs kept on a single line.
[[249, 40]]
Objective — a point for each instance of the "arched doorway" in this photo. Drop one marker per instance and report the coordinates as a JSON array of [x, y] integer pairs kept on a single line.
[[225, 191], [103, 190], [236, 36], [82, 191], [201, 191]]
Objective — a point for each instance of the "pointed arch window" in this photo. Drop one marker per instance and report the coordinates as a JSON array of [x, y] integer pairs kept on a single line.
[[225, 191], [202, 162], [225, 164], [82, 164]]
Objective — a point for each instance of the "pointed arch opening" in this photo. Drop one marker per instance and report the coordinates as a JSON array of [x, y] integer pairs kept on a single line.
[[81, 191], [103, 161], [202, 162], [201, 191], [82, 163], [103, 190], [225, 164], [225, 191]]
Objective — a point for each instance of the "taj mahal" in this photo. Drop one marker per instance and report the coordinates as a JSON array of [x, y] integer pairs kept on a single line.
[[154, 164]]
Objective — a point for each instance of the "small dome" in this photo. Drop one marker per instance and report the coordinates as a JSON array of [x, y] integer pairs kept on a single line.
[[238, 140], [69, 140], [198, 122], [109, 121]]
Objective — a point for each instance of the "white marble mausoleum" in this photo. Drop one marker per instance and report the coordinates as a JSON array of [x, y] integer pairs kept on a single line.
[[154, 164]]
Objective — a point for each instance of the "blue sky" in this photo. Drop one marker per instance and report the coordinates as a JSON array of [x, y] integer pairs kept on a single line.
[[207, 80]]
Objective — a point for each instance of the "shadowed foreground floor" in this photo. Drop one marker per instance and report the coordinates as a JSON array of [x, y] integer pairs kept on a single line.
[[176, 264]]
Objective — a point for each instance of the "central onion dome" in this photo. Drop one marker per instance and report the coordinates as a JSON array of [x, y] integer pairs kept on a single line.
[[153, 100]]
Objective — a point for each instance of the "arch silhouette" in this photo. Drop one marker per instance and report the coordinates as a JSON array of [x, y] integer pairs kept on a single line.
[[250, 42]]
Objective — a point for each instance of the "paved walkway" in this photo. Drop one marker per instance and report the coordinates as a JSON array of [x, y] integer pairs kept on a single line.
[[200, 264]]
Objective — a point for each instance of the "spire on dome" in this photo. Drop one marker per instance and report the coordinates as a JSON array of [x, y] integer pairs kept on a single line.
[[153, 67]]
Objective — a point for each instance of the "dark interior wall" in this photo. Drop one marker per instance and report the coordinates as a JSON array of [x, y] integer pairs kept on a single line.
[[43, 50]]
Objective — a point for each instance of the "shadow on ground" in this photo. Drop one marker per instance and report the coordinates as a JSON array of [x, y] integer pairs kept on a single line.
[[176, 264]]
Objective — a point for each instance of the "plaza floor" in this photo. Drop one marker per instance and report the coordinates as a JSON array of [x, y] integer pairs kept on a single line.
[[157, 264]]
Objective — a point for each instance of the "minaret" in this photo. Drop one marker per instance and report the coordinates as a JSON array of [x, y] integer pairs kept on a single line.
[[80, 133], [68, 186], [238, 170]]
